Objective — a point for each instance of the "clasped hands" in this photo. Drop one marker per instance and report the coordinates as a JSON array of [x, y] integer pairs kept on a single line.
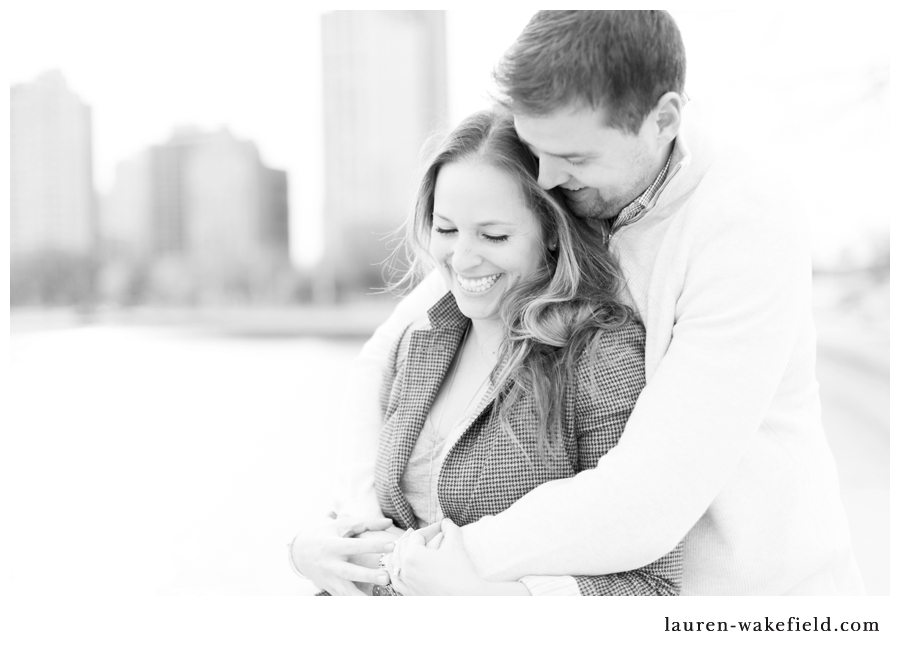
[[433, 561], [337, 553]]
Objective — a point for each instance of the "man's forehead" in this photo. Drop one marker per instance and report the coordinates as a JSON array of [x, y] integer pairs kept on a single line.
[[573, 132]]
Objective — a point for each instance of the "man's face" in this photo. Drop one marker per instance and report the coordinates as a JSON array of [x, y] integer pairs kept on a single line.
[[600, 169]]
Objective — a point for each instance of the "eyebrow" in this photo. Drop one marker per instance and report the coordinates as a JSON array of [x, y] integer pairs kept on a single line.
[[566, 156], [490, 223]]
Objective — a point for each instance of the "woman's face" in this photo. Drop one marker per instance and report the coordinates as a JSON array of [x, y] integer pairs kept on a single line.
[[484, 238]]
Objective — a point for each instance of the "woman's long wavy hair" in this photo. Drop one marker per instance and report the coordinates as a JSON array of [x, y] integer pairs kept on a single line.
[[553, 317]]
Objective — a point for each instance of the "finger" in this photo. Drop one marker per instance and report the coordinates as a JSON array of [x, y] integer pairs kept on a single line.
[[397, 555], [348, 526], [355, 525], [401, 542], [416, 540], [430, 531], [452, 534], [353, 546], [355, 573], [388, 562], [435, 543], [400, 587]]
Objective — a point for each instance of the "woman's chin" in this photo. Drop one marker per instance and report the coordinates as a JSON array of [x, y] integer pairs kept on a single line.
[[477, 311]]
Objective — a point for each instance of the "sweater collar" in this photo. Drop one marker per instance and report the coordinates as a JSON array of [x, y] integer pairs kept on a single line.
[[633, 211], [679, 157], [691, 156]]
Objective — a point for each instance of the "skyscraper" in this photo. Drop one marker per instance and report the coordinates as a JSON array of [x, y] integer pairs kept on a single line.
[[385, 92], [51, 176], [204, 200]]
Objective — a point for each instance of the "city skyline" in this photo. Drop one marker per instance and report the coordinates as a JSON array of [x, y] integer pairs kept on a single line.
[[198, 216], [270, 91], [176, 98]]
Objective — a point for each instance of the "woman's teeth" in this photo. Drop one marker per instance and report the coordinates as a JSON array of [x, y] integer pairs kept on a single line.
[[482, 284]]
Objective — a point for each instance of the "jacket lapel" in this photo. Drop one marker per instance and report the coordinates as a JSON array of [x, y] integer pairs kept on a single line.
[[429, 357], [486, 400]]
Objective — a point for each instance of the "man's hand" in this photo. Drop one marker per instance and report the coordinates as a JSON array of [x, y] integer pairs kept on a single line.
[[323, 549], [421, 570], [433, 561]]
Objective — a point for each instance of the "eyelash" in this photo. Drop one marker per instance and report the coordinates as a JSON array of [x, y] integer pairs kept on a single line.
[[578, 163], [492, 239]]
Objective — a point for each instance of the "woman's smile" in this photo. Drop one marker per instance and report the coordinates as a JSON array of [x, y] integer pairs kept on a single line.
[[478, 285]]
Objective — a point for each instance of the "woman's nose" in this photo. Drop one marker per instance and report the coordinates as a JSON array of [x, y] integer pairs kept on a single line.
[[550, 173], [465, 256]]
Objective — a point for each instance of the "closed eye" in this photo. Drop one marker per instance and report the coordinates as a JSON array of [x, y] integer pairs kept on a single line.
[[441, 230], [496, 239]]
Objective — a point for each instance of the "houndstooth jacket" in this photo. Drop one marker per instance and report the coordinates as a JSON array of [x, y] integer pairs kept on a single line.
[[485, 471]]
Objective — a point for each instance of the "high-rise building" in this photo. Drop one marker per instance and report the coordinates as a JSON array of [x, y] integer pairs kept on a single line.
[[385, 92], [126, 213], [203, 199], [51, 176]]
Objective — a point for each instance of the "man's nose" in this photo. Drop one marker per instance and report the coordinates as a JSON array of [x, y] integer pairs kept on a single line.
[[550, 173]]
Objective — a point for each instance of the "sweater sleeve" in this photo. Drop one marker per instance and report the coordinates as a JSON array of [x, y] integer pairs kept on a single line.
[[361, 415], [744, 295], [607, 389]]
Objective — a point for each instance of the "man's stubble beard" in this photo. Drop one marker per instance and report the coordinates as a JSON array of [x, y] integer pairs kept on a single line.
[[603, 208], [599, 208]]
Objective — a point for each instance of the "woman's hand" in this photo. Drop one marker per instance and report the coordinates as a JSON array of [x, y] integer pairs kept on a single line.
[[422, 570], [371, 560], [322, 552]]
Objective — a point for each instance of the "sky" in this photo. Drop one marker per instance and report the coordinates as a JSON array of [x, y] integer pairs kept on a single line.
[[801, 85]]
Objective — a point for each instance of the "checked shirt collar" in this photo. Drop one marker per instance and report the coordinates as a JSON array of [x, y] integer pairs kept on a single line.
[[633, 211]]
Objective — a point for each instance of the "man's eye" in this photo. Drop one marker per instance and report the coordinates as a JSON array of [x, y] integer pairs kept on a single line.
[[441, 230]]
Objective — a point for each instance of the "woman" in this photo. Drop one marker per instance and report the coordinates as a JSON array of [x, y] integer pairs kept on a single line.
[[525, 372]]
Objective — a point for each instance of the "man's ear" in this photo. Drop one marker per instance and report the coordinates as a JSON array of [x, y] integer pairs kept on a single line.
[[668, 117]]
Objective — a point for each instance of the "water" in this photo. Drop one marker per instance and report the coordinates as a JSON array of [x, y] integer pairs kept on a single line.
[[144, 460], [152, 460]]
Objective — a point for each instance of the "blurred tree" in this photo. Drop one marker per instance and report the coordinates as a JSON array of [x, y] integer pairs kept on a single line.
[[880, 261], [53, 277], [171, 282], [123, 282]]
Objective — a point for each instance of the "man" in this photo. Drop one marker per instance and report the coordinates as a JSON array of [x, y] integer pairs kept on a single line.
[[725, 445]]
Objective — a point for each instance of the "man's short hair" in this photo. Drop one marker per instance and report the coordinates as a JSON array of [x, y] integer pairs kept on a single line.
[[620, 61]]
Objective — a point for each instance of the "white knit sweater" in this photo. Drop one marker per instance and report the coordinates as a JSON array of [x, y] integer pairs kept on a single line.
[[725, 444]]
